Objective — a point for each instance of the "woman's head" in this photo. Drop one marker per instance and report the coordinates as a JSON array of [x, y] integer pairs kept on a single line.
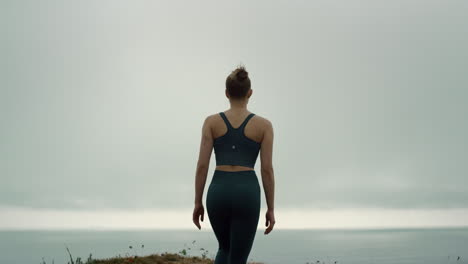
[[238, 83]]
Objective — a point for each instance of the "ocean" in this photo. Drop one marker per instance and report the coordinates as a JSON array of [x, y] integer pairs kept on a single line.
[[392, 246]]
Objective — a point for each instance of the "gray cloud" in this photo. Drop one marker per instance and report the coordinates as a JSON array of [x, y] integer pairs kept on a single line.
[[102, 102]]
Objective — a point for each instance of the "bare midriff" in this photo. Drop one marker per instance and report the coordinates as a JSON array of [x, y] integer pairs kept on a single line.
[[232, 168]]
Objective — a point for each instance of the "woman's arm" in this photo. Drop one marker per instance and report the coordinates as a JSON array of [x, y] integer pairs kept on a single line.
[[266, 157], [206, 147], [268, 177]]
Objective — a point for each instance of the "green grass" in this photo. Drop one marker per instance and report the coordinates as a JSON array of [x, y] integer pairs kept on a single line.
[[182, 257]]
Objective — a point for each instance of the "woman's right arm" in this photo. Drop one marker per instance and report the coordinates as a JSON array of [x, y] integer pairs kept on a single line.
[[268, 178]]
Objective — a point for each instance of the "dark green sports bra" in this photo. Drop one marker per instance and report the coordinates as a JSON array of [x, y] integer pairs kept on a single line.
[[234, 148]]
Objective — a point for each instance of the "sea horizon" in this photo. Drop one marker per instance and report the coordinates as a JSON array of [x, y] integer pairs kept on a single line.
[[205, 229]]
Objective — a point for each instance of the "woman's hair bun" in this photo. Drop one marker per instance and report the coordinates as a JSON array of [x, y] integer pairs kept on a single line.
[[238, 83], [242, 74]]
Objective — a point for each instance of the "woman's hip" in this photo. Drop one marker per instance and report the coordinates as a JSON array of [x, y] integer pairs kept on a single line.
[[231, 178], [228, 188]]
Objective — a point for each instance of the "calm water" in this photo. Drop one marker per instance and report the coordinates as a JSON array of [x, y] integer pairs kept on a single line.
[[395, 246]]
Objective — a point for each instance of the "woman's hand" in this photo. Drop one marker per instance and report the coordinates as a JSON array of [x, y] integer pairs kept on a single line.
[[270, 219], [197, 212]]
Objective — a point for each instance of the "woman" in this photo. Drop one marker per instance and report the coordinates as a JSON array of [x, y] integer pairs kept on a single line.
[[233, 197]]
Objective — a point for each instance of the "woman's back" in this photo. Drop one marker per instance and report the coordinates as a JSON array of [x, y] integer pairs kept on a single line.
[[253, 129], [237, 137]]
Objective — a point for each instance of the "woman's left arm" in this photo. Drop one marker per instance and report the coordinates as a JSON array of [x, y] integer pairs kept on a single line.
[[206, 147]]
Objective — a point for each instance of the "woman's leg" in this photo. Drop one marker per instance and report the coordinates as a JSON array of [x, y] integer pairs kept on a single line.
[[244, 221], [218, 209]]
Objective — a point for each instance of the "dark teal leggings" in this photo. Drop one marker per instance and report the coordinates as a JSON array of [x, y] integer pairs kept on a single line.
[[233, 207]]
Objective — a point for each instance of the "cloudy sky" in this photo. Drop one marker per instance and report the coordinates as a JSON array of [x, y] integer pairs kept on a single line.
[[102, 104]]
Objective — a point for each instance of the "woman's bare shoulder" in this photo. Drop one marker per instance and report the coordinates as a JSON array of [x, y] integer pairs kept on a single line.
[[212, 117], [212, 120], [263, 121]]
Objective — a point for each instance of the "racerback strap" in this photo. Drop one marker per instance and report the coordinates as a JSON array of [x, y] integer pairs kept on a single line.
[[241, 126]]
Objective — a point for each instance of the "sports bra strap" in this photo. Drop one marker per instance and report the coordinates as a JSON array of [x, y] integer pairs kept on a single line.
[[229, 124], [226, 121], [242, 126]]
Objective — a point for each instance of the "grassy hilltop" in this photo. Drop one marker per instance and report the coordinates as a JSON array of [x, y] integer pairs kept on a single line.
[[182, 257]]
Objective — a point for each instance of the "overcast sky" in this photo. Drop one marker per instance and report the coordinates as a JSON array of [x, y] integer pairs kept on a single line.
[[102, 102]]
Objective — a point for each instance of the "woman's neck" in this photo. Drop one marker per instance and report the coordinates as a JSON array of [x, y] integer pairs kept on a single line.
[[238, 106]]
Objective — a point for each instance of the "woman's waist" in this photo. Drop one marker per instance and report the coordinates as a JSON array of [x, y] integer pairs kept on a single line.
[[228, 166], [234, 177]]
